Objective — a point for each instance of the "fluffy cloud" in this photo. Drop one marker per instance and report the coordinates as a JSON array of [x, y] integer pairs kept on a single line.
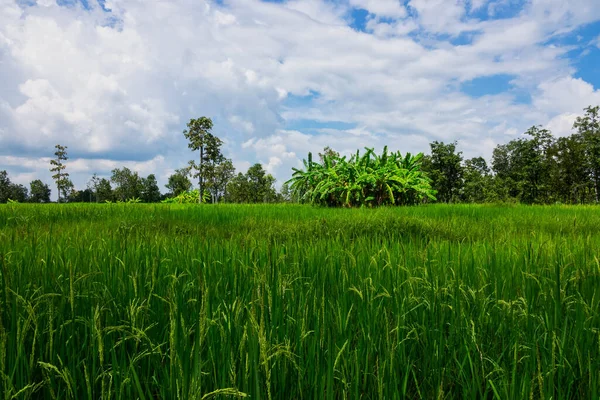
[[382, 8], [118, 86]]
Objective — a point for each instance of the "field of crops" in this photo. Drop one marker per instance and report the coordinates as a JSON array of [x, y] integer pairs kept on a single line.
[[129, 301]]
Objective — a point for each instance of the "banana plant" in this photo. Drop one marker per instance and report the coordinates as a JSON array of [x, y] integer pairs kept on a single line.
[[363, 180]]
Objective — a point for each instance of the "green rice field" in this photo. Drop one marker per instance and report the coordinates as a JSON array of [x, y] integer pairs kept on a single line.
[[133, 301]]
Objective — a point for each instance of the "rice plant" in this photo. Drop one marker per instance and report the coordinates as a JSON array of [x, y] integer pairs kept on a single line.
[[170, 301]]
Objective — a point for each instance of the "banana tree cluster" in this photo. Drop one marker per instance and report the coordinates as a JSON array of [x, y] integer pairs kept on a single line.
[[188, 197], [362, 180]]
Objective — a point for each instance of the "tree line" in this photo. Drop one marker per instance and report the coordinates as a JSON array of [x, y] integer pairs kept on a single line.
[[216, 175], [535, 169]]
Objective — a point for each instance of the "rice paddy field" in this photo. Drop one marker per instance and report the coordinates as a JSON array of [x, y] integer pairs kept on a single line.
[[133, 301]]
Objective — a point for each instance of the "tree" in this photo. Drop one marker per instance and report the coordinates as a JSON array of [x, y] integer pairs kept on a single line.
[[588, 127], [260, 185], [82, 196], [128, 184], [104, 191], [238, 189], [220, 175], [477, 181], [11, 191], [63, 183], [535, 165], [150, 191], [522, 167], [18, 193], [255, 186], [569, 178], [445, 170], [286, 194], [200, 138], [5, 187], [330, 153], [39, 192], [93, 185], [179, 182]]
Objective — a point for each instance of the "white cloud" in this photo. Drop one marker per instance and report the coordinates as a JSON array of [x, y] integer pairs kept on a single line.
[[566, 94], [382, 8], [562, 125], [440, 16]]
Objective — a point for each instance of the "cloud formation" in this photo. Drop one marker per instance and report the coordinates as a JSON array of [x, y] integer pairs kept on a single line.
[[117, 82]]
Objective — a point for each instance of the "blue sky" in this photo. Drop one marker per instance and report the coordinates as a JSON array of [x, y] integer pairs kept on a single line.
[[116, 81]]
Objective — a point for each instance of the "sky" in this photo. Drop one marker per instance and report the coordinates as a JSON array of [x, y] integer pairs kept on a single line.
[[117, 80]]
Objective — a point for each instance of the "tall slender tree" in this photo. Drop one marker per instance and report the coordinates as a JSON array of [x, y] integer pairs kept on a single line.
[[200, 138], [61, 177]]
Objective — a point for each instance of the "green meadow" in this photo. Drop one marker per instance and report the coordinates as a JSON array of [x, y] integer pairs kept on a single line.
[[133, 301]]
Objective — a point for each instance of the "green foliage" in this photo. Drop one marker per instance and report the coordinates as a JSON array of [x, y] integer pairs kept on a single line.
[[444, 168], [128, 183], [200, 138], [588, 126], [179, 182], [11, 191], [39, 192], [61, 177], [477, 185], [369, 179], [255, 186], [150, 192], [167, 301], [524, 165], [188, 198]]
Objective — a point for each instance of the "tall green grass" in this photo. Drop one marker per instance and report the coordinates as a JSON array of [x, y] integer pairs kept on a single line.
[[283, 301]]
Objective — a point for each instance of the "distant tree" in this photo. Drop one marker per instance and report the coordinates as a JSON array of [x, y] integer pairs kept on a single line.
[[477, 181], [150, 191], [82, 196], [179, 182], [39, 192], [570, 177], [11, 191], [328, 152], [238, 190], [219, 177], [200, 138], [255, 186], [104, 191], [18, 193], [445, 170], [260, 185], [5, 187], [63, 183], [128, 184], [536, 165], [523, 166], [588, 126], [93, 185], [286, 194]]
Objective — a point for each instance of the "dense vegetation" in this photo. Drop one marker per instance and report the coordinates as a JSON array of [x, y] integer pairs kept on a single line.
[[370, 179], [536, 168], [129, 301]]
